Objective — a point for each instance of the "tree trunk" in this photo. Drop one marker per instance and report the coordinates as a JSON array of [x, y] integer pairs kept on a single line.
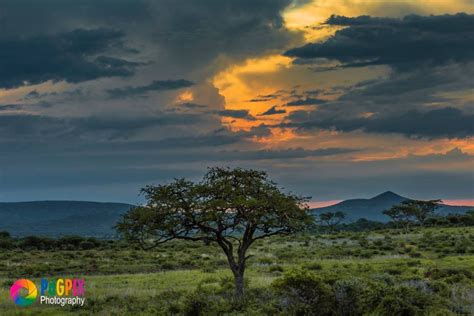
[[237, 266], [239, 284]]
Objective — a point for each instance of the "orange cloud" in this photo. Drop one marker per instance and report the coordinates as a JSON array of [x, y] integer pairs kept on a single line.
[[275, 75], [459, 202]]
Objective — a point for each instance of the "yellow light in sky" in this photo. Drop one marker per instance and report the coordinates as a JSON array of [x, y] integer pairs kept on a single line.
[[186, 96], [265, 75], [233, 83], [314, 13]]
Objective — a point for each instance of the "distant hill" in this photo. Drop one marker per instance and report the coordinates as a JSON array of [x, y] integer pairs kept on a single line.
[[59, 218], [372, 208], [56, 218]]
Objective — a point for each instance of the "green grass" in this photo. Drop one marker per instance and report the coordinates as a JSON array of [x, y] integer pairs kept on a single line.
[[123, 280], [142, 287]]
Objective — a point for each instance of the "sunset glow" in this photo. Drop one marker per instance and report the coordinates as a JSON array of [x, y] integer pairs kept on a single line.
[[334, 98]]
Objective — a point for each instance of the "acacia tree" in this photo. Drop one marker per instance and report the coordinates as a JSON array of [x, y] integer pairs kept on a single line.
[[410, 211], [422, 210], [230, 207], [331, 220], [399, 215]]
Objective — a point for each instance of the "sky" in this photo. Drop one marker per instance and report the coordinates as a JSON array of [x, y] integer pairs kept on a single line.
[[334, 99]]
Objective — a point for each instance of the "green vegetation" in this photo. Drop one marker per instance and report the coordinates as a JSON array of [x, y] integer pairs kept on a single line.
[[231, 208], [178, 248], [412, 212], [330, 220], [427, 271]]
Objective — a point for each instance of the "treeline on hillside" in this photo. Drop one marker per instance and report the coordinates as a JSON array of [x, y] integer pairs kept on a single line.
[[408, 214], [85, 243], [405, 215], [45, 243], [362, 224]]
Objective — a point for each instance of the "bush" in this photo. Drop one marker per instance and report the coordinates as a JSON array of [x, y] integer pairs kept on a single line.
[[303, 293], [406, 300], [450, 275], [168, 266], [210, 301], [276, 268], [209, 269], [265, 261], [85, 245], [6, 244], [68, 242], [34, 242], [350, 297], [313, 266]]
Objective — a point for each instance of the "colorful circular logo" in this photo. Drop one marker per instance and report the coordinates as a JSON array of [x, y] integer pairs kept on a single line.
[[22, 299]]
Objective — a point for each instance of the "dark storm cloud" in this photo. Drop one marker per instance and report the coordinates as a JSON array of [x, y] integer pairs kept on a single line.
[[22, 106], [92, 131], [306, 101], [104, 157], [284, 153], [71, 56], [59, 178], [156, 85], [190, 105], [7, 107], [204, 148], [128, 164], [237, 29], [401, 92], [69, 94], [191, 33], [117, 174], [272, 111], [438, 23], [403, 101], [400, 43], [445, 122], [32, 95], [263, 98], [29, 17], [47, 128], [242, 114]]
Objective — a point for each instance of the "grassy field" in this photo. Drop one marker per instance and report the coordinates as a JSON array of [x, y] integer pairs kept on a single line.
[[192, 278]]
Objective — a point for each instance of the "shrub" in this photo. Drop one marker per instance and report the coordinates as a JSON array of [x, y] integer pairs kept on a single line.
[[393, 271], [276, 268], [5, 234], [86, 245], [34, 242], [349, 297], [208, 301], [303, 293], [6, 244], [168, 266], [450, 275], [406, 300], [313, 266], [209, 269], [69, 241], [265, 261]]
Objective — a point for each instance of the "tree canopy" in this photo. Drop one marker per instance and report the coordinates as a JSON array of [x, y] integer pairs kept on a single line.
[[230, 207], [411, 211], [331, 220]]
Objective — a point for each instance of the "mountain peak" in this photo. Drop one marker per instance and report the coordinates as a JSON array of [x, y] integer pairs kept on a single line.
[[388, 195]]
